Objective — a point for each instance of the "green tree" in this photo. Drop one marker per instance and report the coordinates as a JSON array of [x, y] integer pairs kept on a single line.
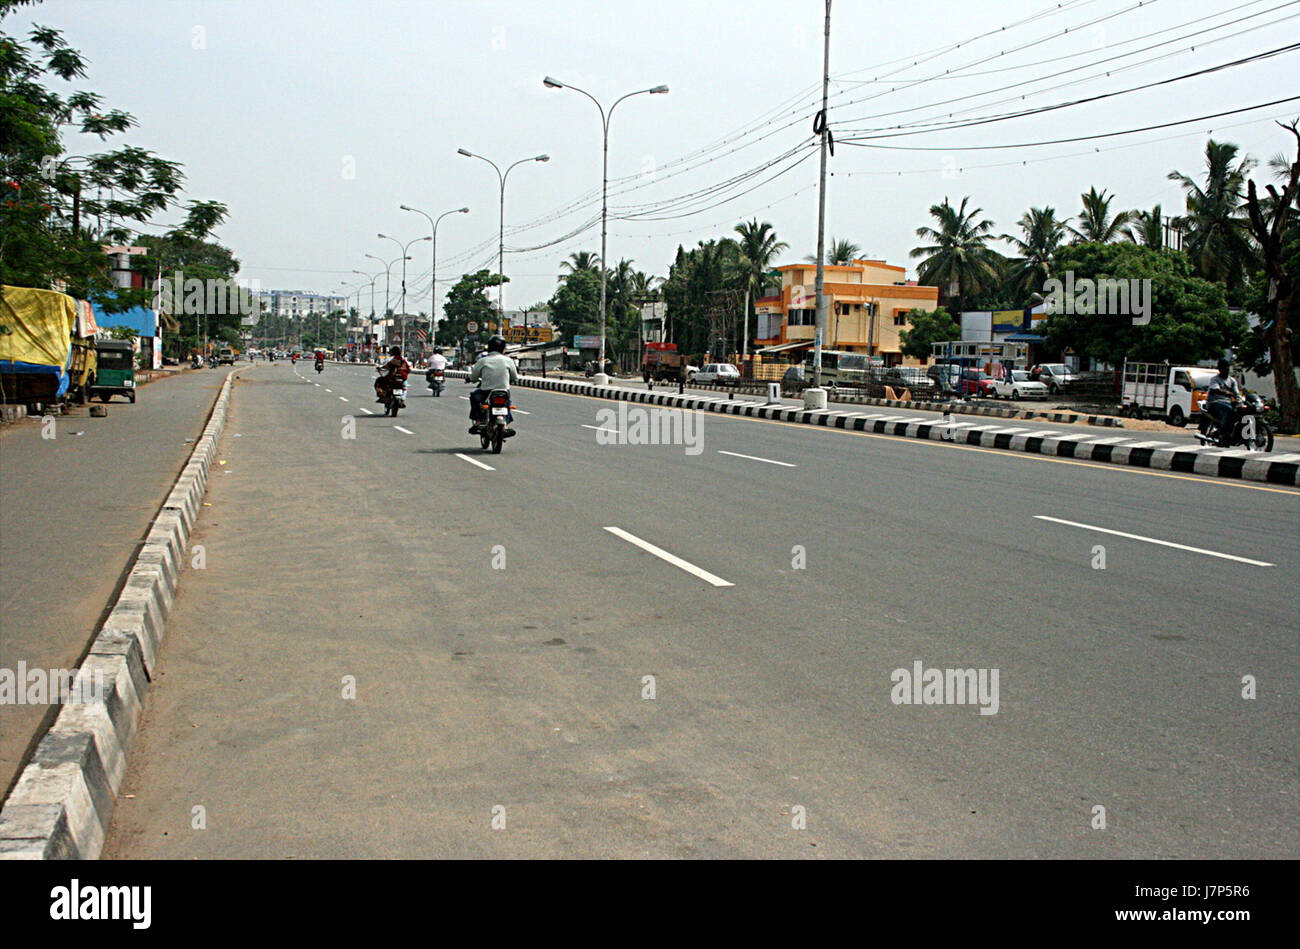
[[1190, 320], [575, 307], [1217, 232], [1275, 226], [1096, 223], [1042, 236], [758, 247], [958, 260], [1148, 228], [467, 300], [841, 253], [581, 261], [927, 327], [50, 230]]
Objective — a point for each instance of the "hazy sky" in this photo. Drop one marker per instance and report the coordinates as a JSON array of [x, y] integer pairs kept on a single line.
[[314, 120]]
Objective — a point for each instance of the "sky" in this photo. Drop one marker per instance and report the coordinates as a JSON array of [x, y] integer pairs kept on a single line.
[[314, 121]]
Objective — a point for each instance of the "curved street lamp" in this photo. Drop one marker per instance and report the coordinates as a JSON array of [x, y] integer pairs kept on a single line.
[[501, 239], [601, 378], [401, 317], [433, 270]]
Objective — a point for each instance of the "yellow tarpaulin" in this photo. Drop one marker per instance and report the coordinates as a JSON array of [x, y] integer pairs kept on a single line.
[[39, 323]]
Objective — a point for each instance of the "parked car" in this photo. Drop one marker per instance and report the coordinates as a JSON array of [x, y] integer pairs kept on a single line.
[[976, 382], [909, 377], [1019, 386], [226, 356], [1054, 375], [717, 373]]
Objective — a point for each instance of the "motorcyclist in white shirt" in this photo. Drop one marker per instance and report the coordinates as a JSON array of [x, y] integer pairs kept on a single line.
[[438, 360], [493, 370]]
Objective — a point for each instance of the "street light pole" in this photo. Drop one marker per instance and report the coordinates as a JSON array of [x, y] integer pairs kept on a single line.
[[433, 267], [822, 127], [401, 317], [372, 296], [501, 238], [601, 378]]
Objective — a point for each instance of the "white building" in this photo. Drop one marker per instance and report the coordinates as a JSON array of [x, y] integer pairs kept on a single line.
[[298, 303]]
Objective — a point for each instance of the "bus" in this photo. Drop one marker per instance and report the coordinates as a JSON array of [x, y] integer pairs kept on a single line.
[[843, 368]]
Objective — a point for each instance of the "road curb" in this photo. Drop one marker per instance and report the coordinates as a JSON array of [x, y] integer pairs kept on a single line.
[[1083, 446], [62, 803]]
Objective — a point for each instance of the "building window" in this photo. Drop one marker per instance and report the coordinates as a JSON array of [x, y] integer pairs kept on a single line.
[[803, 317], [900, 319]]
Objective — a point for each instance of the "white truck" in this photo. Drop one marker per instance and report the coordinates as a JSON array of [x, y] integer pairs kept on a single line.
[[1159, 390]]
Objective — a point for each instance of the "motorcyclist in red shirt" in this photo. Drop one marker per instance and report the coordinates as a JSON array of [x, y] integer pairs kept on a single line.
[[396, 367]]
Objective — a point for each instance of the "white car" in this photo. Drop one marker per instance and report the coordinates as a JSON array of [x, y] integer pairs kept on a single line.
[[717, 373], [1020, 387]]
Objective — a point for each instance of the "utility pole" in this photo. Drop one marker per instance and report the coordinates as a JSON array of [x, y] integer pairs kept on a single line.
[[821, 125]]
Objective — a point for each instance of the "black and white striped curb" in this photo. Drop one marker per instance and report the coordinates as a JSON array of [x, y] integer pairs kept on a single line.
[[838, 396], [1236, 463], [62, 803]]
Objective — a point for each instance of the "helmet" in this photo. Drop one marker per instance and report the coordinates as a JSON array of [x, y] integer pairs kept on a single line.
[[497, 344], [395, 350], [438, 350]]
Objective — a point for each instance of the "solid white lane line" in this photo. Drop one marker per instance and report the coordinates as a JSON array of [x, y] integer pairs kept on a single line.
[[474, 461], [341, 399], [521, 412], [465, 397], [670, 558], [736, 454], [330, 391], [406, 431], [367, 411], [1152, 540], [596, 428]]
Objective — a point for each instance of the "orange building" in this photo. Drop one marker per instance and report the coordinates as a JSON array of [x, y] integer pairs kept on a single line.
[[867, 306]]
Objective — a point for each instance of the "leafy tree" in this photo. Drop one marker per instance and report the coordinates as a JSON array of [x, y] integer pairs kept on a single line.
[[580, 261], [1148, 228], [1217, 232], [958, 260], [1043, 236], [1275, 225], [1190, 320], [927, 327], [840, 253], [1096, 223], [467, 301], [575, 307], [758, 246], [46, 235]]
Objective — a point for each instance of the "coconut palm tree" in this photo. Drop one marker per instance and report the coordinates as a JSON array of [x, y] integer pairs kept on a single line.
[[1215, 226], [1042, 236], [1148, 228], [840, 253], [758, 245], [958, 260], [580, 261], [1096, 224]]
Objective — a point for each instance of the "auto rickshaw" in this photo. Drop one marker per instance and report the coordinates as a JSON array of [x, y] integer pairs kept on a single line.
[[115, 372]]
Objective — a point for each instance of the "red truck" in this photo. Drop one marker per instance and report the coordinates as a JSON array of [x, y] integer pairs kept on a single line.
[[662, 362]]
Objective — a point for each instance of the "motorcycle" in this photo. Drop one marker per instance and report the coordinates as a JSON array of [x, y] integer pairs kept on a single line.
[[1246, 427], [395, 398], [492, 430], [320, 365], [435, 378]]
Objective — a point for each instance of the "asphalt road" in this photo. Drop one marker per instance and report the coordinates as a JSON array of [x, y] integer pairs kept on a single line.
[[74, 508], [813, 564]]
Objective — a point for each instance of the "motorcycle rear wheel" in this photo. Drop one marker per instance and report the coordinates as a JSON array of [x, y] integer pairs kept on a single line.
[[497, 438]]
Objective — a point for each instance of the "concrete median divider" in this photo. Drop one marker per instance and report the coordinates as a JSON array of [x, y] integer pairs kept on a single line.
[[62, 803], [1272, 468]]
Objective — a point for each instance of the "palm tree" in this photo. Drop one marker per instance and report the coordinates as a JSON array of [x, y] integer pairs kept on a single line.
[[958, 260], [1096, 225], [1043, 237], [1148, 228], [1214, 224], [840, 253], [758, 245], [581, 261]]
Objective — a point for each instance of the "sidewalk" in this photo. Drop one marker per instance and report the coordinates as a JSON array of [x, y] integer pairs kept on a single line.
[[73, 510]]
